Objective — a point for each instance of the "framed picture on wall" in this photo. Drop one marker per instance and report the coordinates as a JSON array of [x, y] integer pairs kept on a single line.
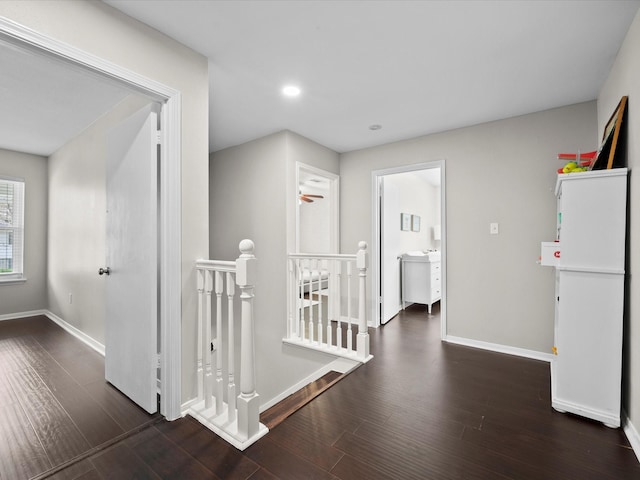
[[405, 222], [415, 223]]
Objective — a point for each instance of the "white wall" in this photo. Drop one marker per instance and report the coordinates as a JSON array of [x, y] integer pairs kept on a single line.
[[415, 197], [250, 198], [31, 295], [77, 224], [624, 79], [105, 32], [501, 172]]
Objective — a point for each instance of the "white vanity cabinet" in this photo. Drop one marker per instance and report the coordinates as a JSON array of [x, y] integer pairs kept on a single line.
[[587, 365], [421, 279]]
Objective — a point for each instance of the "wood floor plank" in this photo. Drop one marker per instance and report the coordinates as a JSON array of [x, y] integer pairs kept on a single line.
[[49, 370], [7, 395], [82, 470], [349, 468], [127, 415], [567, 456], [421, 409], [282, 463], [316, 448], [209, 449], [315, 416], [121, 463], [276, 414], [21, 452], [170, 462], [55, 429], [84, 367], [262, 474], [95, 424]]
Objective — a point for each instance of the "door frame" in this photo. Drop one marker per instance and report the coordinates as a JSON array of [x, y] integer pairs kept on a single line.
[[170, 190], [376, 176]]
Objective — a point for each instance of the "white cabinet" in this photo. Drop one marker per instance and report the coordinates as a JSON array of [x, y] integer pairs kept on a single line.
[[586, 369], [421, 279]]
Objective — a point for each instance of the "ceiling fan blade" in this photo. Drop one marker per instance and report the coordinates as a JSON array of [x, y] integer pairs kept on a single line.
[[305, 199], [312, 196]]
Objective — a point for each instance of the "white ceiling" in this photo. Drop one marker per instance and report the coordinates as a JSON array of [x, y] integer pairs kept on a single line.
[[414, 67], [44, 103]]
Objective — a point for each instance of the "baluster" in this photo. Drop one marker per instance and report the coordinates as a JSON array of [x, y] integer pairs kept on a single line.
[[320, 303], [217, 344], [330, 280], [248, 417], [362, 261], [206, 342], [301, 325], [310, 294], [231, 387], [200, 335], [349, 301], [338, 294], [291, 303]]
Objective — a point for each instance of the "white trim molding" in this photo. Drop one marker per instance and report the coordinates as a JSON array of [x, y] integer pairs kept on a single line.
[[79, 334], [170, 194], [496, 347], [632, 434], [15, 316]]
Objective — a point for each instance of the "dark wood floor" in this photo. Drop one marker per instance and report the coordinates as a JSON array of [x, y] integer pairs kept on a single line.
[[54, 403], [420, 409]]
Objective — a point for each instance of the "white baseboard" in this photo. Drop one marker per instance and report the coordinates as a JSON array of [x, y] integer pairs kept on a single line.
[[15, 316], [341, 365], [80, 335], [496, 347], [632, 434]]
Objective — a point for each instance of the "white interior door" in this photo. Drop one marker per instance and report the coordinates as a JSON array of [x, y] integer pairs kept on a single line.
[[132, 261], [389, 241]]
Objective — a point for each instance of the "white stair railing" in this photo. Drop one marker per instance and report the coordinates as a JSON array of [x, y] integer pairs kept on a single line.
[[321, 298], [236, 419]]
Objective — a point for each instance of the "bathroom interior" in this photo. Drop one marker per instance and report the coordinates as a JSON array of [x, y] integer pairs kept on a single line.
[[410, 241]]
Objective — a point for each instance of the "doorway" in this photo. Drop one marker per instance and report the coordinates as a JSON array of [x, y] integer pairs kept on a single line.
[[317, 222], [169, 303], [408, 218]]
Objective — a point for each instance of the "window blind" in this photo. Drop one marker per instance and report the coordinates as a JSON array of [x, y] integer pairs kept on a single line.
[[11, 227]]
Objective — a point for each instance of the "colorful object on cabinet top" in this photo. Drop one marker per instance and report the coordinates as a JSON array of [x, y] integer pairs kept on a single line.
[[578, 162]]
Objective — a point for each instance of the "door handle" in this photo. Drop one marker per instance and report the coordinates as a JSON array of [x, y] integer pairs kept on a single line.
[[103, 271]]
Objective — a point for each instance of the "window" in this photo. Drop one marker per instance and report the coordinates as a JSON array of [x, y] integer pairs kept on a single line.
[[11, 228]]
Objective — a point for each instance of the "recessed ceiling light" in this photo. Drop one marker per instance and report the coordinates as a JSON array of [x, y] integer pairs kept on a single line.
[[291, 91], [375, 127]]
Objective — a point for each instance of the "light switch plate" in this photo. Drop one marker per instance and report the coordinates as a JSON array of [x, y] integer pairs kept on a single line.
[[493, 229]]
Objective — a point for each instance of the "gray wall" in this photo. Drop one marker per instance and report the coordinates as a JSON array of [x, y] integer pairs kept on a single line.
[[107, 33], [624, 79], [31, 295], [503, 172], [251, 194], [77, 228]]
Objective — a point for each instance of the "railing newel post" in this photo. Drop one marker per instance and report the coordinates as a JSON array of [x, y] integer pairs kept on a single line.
[[362, 263], [248, 400]]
